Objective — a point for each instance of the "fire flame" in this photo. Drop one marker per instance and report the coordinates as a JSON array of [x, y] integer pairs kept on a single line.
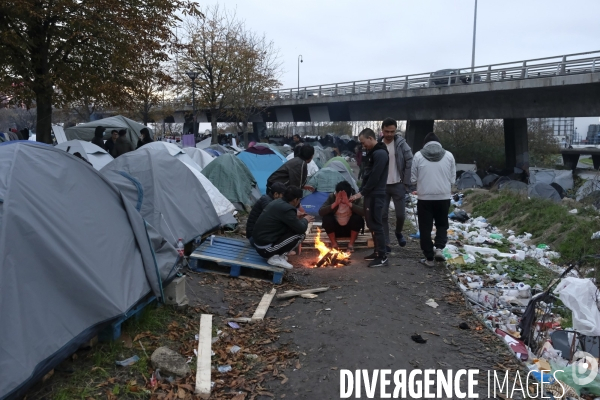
[[324, 250]]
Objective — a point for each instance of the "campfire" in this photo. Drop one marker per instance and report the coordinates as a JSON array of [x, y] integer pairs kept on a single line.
[[329, 257]]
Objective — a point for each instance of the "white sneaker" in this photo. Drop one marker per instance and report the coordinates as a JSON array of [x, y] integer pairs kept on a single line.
[[279, 261]]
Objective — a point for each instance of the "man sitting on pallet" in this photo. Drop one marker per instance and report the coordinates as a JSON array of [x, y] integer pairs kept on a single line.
[[342, 218], [279, 229]]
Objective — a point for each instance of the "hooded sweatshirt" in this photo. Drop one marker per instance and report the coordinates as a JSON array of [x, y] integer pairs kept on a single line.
[[434, 172], [376, 171]]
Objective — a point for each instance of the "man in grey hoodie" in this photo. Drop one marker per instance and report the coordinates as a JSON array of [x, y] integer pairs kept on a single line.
[[434, 172]]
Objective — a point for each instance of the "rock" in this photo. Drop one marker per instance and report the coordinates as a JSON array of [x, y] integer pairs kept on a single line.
[[170, 362]]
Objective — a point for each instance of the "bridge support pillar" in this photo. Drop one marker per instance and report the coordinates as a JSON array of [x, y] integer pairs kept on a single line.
[[516, 145], [416, 130]]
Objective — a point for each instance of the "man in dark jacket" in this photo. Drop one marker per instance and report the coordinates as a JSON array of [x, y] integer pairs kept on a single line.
[[295, 171], [110, 143], [373, 190], [122, 145], [276, 193], [98, 137], [398, 181], [278, 230], [342, 218], [145, 138]]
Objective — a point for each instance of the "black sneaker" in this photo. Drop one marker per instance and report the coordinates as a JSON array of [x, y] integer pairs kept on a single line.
[[371, 257], [401, 240], [379, 262]]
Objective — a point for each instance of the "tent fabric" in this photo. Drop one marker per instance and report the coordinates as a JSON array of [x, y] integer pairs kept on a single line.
[[559, 189], [325, 180], [562, 177], [233, 179], [204, 143], [469, 179], [341, 160], [341, 168], [166, 192], [515, 186], [313, 202], [94, 259], [503, 180], [86, 131], [199, 156], [543, 191], [212, 152], [489, 180], [97, 156], [587, 189], [220, 149], [262, 166]]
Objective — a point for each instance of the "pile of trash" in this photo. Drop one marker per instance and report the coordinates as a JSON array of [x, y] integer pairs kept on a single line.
[[547, 315]]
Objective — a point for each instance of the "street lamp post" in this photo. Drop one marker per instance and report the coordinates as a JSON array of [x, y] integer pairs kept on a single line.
[[193, 75], [299, 61], [474, 33]]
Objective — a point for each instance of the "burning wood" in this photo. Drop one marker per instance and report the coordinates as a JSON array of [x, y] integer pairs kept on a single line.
[[329, 257]]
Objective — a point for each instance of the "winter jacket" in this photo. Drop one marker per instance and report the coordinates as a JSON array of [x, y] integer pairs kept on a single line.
[[404, 159], [434, 172], [98, 136], [277, 219], [257, 210], [122, 146], [376, 171], [141, 142], [292, 173], [110, 147], [357, 207]]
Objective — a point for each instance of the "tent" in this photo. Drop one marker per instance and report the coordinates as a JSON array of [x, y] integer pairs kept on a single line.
[[562, 177], [489, 180], [220, 203], [515, 186], [341, 168], [503, 180], [313, 202], [469, 179], [200, 157], [543, 191], [166, 192], [262, 162], [587, 189], [220, 149], [204, 143], [97, 156], [72, 258], [325, 180], [86, 131], [234, 180], [341, 160]]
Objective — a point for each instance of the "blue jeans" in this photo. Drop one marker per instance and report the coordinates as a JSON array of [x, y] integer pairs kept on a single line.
[[374, 218]]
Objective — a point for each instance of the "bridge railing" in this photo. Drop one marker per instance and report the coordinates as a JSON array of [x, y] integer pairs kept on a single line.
[[535, 68]]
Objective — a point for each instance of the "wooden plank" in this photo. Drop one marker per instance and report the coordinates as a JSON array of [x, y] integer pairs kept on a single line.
[[286, 295], [263, 306], [204, 353]]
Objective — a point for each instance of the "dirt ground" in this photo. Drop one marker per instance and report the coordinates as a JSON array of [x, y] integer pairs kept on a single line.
[[365, 321]]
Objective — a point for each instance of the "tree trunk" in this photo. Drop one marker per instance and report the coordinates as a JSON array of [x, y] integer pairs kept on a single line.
[[245, 133], [213, 125], [43, 100]]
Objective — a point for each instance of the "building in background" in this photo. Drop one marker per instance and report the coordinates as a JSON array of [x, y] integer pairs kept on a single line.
[[563, 129], [593, 134]]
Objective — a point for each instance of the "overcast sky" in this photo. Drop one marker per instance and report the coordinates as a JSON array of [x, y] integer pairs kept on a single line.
[[345, 40]]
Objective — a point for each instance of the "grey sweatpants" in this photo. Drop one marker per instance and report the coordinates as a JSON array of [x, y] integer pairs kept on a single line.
[[395, 192]]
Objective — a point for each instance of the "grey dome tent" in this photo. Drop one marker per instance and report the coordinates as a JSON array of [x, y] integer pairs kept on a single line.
[[325, 180], [74, 255], [166, 192], [341, 168], [543, 191], [469, 179], [96, 155], [86, 131], [562, 177], [515, 186], [503, 180], [587, 189], [489, 180]]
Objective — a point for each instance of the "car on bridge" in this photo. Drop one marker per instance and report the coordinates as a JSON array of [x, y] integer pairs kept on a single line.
[[452, 74]]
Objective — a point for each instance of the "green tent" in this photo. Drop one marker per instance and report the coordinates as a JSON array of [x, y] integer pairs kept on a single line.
[[325, 180], [86, 131], [342, 160], [233, 179]]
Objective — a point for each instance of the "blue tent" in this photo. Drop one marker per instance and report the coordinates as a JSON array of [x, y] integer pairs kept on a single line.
[[313, 202], [262, 164]]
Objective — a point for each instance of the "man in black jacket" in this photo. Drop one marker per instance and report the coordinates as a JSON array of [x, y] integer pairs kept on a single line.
[[276, 193], [295, 171], [373, 190], [278, 230]]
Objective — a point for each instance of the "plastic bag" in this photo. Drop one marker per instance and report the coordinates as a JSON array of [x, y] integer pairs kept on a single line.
[[579, 295]]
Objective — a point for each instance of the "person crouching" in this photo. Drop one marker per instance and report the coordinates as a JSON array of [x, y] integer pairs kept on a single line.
[[342, 218], [278, 230]]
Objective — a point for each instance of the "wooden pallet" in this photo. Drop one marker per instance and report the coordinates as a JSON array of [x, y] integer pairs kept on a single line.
[[113, 331], [233, 257], [364, 241]]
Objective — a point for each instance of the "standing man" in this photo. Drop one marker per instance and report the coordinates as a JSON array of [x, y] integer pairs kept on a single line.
[[295, 171], [398, 180], [373, 190], [434, 172]]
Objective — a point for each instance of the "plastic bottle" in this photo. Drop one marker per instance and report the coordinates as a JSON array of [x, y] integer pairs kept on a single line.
[[180, 247]]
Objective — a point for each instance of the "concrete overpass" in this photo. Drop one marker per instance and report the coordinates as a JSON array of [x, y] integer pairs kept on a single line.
[[562, 86]]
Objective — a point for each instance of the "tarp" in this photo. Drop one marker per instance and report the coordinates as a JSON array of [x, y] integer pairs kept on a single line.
[[74, 254], [468, 179], [200, 157], [166, 192], [86, 131], [59, 134], [563, 177], [262, 166], [325, 180], [97, 156], [341, 168], [233, 179], [313, 202], [543, 191], [587, 189]]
